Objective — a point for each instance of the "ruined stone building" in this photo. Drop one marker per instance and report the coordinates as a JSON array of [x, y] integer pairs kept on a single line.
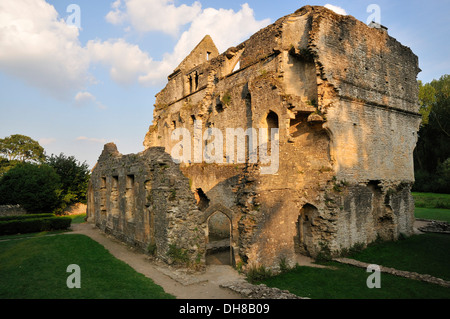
[[343, 97]]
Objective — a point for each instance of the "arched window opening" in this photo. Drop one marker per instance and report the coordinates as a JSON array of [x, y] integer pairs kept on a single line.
[[272, 123]]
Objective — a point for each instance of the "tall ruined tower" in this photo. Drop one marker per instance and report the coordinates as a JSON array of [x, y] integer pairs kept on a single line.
[[343, 99]]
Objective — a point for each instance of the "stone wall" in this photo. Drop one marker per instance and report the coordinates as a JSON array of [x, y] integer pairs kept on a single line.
[[11, 210], [144, 200]]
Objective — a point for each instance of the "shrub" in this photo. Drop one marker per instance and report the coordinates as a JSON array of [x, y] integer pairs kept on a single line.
[[74, 179], [33, 225], [19, 217], [34, 187], [179, 255], [284, 265], [151, 249], [258, 273], [324, 254]]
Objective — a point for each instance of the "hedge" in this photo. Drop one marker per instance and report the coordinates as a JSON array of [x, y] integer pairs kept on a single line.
[[29, 216], [34, 225]]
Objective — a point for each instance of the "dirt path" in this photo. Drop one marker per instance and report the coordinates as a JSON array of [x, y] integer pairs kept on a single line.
[[177, 283]]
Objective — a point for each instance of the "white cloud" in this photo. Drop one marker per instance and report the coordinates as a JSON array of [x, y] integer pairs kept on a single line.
[[226, 27], [116, 16], [153, 15], [126, 62], [46, 141], [336, 9], [41, 49], [91, 139], [84, 98]]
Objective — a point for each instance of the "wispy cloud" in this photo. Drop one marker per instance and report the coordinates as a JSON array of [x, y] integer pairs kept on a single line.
[[46, 141], [84, 98], [91, 139], [126, 61], [336, 9], [153, 15]]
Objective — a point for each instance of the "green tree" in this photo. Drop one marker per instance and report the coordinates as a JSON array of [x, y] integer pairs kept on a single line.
[[21, 148], [427, 97], [432, 154], [35, 187], [74, 178], [6, 165]]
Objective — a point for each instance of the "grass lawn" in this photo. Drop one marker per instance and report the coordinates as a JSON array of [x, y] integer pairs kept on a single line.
[[426, 254], [440, 214], [36, 268], [77, 219], [432, 206], [431, 200], [348, 282]]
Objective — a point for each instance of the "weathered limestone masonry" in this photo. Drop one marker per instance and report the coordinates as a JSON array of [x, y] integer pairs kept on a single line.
[[11, 210], [344, 97], [144, 200]]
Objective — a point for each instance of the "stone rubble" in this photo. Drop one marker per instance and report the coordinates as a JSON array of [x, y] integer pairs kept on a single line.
[[435, 226], [261, 291]]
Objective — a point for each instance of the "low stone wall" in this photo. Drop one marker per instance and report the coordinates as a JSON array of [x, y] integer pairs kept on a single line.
[[262, 291], [11, 210], [401, 273], [434, 226]]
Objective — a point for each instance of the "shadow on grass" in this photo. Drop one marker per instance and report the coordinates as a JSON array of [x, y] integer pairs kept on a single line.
[[425, 254]]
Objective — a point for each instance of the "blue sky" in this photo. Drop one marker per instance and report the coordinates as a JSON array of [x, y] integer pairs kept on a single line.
[[75, 89]]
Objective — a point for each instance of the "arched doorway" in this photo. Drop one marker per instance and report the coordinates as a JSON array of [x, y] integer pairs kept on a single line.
[[304, 241], [218, 247]]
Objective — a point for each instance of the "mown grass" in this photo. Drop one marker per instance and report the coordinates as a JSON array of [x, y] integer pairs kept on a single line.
[[432, 206], [439, 214], [425, 254], [431, 200], [348, 282], [36, 267], [77, 219]]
